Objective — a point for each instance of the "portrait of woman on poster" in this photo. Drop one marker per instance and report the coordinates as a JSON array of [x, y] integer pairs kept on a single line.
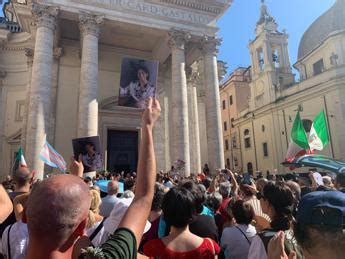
[[138, 91], [92, 160]]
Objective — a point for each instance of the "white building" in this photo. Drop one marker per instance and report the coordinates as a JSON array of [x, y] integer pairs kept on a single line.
[[60, 70]]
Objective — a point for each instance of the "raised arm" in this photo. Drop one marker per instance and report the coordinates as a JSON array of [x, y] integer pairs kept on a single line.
[[6, 206], [138, 212], [234, 182]]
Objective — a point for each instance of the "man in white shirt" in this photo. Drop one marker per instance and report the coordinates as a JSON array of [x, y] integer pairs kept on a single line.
[[110, 200]]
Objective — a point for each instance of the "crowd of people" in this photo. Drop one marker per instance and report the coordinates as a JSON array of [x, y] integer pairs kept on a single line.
[[155, 215]]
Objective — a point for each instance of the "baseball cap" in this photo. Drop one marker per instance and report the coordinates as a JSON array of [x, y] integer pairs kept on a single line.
[[322, 208]]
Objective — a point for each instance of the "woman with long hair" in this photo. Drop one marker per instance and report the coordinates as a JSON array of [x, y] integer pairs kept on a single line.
[[94, 227], [277, 202]]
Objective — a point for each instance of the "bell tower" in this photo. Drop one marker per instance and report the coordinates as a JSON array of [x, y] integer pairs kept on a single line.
[[271, 67]]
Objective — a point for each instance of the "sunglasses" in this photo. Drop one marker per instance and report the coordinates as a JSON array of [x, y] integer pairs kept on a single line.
[[260, 196]]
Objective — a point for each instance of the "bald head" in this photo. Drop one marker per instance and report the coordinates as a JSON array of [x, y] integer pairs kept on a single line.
[[56, 207], [113, 187], [22, 176]]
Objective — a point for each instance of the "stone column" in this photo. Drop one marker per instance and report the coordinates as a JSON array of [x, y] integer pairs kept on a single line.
[[213, 116], [195, 154], [88, 91], [29, 53], [2, 125], [39, 107], [55, 83], [179, 99]]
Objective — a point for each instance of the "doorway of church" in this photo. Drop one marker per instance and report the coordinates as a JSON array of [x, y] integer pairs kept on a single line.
[[122, 152]]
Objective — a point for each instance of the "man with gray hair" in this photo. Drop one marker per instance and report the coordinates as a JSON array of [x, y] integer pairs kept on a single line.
[[228, 191], [110, 200], [57, 212], [225, 189]]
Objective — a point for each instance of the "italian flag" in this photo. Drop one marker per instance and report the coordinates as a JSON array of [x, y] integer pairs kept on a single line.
[[20, 158], [318, 137], [298, 140]]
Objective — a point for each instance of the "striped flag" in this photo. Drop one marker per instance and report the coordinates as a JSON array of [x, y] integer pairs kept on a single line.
[[52, 158], [299, 145], [20, 158], [319, 137]]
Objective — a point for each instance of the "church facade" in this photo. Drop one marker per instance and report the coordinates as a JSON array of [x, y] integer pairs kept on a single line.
[[60, 66], [265, 126]]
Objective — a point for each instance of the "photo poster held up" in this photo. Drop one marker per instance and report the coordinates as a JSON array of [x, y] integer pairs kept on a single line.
[[138, 82], [89, 150]]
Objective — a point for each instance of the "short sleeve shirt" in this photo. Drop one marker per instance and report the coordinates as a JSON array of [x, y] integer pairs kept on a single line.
[[121, 245]]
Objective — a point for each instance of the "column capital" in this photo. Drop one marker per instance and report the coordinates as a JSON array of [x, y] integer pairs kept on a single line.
[[90, 23], [57, 53], [178, 38], [45, 16], [209, 45], [29, 53]]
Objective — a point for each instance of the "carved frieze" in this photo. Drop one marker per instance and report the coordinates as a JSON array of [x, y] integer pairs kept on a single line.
[[194, 5], [150, 9]]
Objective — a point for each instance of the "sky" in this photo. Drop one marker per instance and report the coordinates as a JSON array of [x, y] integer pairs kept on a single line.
[[237, 26]]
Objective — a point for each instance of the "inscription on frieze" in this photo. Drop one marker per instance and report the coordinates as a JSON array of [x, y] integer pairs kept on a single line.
[[149, 9]]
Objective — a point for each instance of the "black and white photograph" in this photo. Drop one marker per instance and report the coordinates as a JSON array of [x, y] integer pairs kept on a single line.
[[138, 82], [88, 150]]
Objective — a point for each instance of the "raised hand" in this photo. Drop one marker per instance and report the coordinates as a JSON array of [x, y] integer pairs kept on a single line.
[[151, 113], [76, 167], [276, 247]]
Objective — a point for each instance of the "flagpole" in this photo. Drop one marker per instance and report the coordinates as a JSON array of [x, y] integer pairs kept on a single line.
[[328, 126]]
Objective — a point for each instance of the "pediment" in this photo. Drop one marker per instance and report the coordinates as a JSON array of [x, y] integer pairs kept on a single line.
[[15, 138]]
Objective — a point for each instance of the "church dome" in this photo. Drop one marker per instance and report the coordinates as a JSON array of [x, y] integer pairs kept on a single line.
[[331, 21]]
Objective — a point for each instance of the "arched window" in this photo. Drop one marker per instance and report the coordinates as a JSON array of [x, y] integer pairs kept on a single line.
[[246, 138], [226, 144], [307, 125], [228, 163], [235, 161]]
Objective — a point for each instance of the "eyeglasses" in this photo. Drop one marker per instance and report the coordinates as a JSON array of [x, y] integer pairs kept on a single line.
[[260, 196]]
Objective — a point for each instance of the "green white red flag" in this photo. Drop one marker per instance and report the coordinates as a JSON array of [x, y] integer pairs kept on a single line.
[[299, 144], [20, 158], [318, 137]]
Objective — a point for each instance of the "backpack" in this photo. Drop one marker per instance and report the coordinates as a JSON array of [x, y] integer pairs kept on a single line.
[[290, 243]]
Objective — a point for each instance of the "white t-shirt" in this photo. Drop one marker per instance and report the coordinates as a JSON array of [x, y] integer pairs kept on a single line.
[[19, 239], [100, 238], [235, 243]]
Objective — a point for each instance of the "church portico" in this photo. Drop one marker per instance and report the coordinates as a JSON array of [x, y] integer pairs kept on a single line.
[[74, 93]]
